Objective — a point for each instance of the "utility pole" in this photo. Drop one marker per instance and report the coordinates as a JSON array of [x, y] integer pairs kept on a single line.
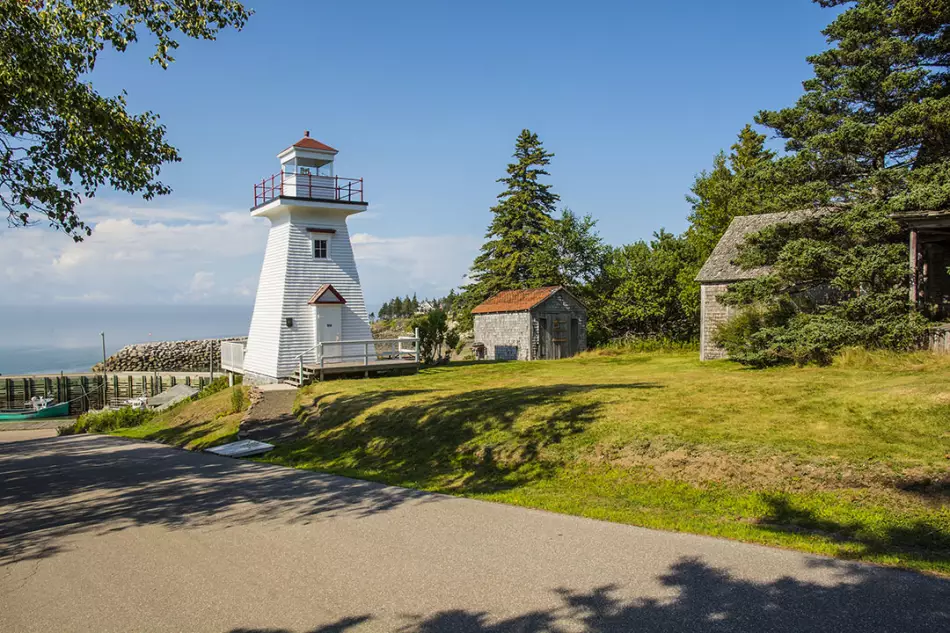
[[105, 374]]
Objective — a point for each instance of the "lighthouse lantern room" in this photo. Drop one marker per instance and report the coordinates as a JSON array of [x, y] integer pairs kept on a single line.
[[309, 290]]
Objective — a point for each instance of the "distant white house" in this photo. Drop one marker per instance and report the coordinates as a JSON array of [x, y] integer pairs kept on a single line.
[[425, 307], [309, 290]]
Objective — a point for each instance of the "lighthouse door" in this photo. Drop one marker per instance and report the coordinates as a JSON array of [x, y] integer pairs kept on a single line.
[[329, 331]]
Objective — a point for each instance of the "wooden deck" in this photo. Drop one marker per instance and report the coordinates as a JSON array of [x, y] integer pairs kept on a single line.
[[352, 368]]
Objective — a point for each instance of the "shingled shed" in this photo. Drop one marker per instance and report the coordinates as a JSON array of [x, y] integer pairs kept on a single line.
[[534, 324], [720, 271]]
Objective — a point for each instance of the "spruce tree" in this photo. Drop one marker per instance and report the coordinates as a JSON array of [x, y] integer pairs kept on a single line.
[[870, 136], [516, 250], [740, 184]]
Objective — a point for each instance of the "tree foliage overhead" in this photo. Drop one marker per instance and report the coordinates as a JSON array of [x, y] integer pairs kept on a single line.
[[60, 140], [871, 135]]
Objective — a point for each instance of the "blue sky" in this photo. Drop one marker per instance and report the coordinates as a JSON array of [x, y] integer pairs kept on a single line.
[[424, 101]]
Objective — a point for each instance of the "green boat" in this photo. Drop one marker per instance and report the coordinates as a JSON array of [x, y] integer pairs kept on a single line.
[[38, 411]]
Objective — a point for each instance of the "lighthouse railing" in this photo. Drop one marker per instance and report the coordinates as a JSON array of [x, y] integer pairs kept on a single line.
[[308, 187]]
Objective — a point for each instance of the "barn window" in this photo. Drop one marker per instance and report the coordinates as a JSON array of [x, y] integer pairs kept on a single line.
[[321, 249]]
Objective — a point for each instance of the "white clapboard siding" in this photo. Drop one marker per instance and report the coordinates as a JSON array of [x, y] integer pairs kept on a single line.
[[305, 274], [289, 278], [264, 337]]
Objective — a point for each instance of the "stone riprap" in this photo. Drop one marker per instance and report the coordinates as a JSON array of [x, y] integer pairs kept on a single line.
[[168, 356]]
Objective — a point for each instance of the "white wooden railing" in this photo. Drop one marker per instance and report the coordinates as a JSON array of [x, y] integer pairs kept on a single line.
[[401, 347], [232, 357]]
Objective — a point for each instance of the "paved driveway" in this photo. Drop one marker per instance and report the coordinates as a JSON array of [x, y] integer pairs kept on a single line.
[[100, 534]]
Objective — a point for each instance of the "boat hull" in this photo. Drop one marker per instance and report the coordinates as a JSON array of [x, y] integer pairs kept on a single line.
[[60, 410]]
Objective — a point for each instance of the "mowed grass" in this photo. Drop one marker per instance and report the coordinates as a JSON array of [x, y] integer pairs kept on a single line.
[[194, 425], [849, 460]]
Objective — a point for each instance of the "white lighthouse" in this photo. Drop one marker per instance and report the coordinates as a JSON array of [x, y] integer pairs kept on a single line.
[[309, 291]]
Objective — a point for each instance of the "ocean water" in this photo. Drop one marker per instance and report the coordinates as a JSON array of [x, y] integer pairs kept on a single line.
[[50, 339]]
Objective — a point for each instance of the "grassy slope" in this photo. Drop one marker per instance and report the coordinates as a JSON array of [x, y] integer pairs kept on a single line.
[[848, 460], [194, 425]]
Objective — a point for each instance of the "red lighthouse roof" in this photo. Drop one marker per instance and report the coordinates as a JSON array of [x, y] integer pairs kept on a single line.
[[311, 143]]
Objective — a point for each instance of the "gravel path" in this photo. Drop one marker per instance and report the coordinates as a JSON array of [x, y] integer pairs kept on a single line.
[[270, 417]]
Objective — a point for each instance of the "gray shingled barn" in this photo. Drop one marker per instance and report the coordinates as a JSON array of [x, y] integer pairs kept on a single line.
[[720, 271], [533, 324]]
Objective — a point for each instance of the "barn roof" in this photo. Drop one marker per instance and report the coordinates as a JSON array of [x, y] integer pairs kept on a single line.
[[719, 267], [516, 300]]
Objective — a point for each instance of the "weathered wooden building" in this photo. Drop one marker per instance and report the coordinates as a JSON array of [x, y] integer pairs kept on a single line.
[[534, 324], [929, 241], [720, 271]]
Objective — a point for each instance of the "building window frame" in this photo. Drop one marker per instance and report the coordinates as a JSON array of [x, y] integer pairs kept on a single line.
[[320, 248]]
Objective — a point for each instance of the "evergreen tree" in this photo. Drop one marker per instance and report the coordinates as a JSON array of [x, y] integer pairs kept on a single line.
[[518, 237], [742, 184], [870, 136], [415, 303]]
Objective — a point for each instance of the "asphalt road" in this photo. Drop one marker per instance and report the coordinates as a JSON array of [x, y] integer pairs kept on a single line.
[[101, 534]]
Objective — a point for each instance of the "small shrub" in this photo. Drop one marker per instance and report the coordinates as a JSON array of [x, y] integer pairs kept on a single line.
[[647, 344], [218, 384], [238, 401], [109, 420]]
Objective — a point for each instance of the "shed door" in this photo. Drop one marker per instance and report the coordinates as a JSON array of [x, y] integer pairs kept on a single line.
[[544, 338], [559, 325]]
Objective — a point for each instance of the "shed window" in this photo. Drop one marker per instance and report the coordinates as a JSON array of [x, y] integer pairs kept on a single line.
[[321, 249]]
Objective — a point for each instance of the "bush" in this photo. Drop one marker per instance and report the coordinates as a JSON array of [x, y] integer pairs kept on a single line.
[[779, 334], [218, 384], [648, 344], [237, 399], [109, 420]]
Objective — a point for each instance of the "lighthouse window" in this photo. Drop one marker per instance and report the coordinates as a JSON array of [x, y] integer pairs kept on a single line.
[[320, 249]]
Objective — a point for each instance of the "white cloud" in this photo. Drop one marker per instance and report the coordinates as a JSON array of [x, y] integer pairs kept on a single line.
[[200, 254], [427, 265]]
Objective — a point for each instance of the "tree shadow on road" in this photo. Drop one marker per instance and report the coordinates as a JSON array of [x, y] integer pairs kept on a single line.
[[846, 598], [53, 488]]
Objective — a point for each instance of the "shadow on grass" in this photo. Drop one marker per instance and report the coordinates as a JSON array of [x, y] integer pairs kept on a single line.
[[848, 599], [918, 539], [475, 441], [184, 434]]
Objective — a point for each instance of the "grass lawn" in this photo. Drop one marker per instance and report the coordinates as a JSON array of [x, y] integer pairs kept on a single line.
[[849, 460], [193, 425]]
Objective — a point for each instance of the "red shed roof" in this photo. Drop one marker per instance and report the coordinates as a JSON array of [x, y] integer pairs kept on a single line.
[[326, 294], [515, 300], [311, 143]]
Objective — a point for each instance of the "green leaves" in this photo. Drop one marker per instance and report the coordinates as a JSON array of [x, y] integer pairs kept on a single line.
[[59, 139]]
